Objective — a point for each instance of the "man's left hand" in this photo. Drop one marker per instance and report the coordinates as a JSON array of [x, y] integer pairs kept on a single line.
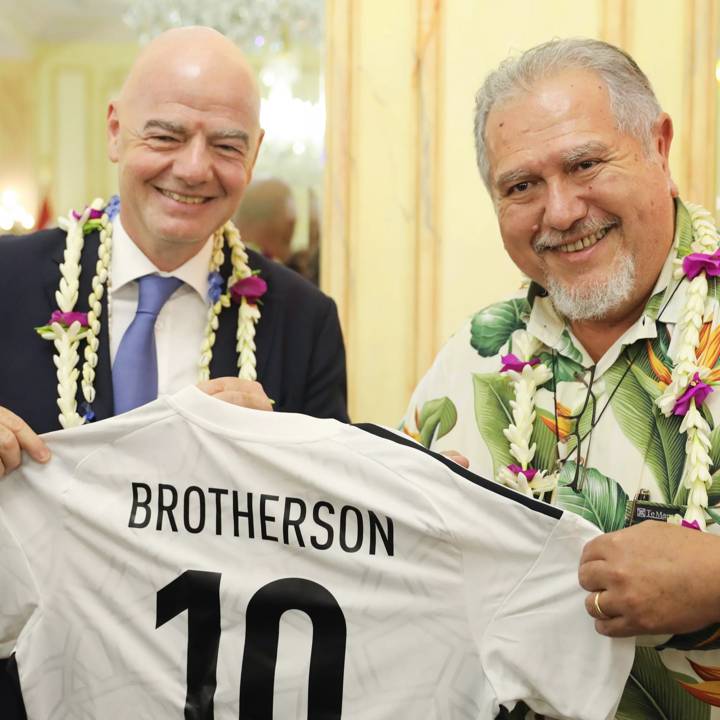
[[245, 393], [457, 457], [652, 578]]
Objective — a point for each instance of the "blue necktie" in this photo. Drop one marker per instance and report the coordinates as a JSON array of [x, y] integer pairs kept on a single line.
[[134, 372]]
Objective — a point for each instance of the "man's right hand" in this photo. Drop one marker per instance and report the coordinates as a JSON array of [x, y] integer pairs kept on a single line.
[[16, 436]]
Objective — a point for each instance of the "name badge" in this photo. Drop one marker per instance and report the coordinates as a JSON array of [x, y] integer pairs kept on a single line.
[[641, 508]]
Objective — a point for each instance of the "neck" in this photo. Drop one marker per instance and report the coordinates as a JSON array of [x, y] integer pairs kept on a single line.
[[169, 259], [165, 255], [598, 336]]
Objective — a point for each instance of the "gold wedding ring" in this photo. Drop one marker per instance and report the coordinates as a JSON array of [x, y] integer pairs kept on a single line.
[[600, 615]]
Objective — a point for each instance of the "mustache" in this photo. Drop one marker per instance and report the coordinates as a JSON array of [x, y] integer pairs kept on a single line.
[[582, 228]]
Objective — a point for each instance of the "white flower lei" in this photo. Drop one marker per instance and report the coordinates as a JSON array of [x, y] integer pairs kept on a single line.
[[519, 432], [696, 476], [66, 338]]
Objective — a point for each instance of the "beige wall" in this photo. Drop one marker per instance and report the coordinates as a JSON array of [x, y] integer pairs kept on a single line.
[[411, 245], [74, 83], [17, 149], [60, 92]]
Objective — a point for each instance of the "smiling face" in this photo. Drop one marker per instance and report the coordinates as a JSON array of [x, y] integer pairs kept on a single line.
[[584, 210], [185, 134]]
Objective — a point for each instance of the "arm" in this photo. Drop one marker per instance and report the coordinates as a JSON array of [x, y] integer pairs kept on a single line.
[[326, 389], [652, 578]]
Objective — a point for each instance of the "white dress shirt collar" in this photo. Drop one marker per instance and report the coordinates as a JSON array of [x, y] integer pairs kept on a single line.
[[129, 263]]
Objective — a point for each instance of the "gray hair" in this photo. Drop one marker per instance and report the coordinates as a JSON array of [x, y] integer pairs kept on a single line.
[[632, 99]]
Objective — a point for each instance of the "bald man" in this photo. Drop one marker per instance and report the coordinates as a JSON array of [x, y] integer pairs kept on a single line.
[[266, 218], [185, 134]]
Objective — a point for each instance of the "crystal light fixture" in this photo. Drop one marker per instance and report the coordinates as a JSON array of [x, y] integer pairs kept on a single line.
[[13, 216], [252, 24]]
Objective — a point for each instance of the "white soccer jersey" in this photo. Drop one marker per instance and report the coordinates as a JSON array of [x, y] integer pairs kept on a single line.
[[192, 559]]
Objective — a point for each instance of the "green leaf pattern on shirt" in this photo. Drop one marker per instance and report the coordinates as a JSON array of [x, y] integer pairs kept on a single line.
[[493, 393], [436, 416], [653, 692], [658, 438], [491, 328], [600, 500]]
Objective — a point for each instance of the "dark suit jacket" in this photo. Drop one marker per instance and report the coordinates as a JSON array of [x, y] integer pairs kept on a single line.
[[300, 353]]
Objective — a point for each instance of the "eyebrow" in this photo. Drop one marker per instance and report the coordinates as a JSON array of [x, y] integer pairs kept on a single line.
[[583, 152], [512, 177], [569, 159], [164, 125], [178, 129]]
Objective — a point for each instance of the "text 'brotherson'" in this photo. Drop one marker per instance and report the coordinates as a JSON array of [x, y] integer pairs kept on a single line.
[[289, 520]]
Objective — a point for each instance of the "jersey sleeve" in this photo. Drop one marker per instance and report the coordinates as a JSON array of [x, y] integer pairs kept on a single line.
[[18, 591], [542, 646]]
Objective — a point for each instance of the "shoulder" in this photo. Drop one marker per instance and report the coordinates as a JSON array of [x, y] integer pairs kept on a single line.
[[38, 243], [485, 332], [286, 285], [30, 256], [491, 327]]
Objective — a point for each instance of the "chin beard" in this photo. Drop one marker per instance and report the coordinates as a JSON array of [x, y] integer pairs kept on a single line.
[[596, 299]]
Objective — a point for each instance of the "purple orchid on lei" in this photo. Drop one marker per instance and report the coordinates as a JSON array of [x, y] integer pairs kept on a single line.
[[68, 318], [94, 214], [696, 390], [695, 263], [513, 362], [529, 474], [251, 288]]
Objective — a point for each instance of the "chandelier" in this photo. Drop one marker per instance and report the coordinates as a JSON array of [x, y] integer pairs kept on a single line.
[[254, 25]]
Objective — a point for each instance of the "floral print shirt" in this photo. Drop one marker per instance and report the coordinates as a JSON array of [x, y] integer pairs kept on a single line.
[[626, 444]]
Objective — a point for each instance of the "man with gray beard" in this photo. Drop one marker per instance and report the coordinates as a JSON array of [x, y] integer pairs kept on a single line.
[[593, 388]]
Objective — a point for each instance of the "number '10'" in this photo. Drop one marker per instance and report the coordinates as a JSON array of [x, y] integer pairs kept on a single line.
[[198, 592]]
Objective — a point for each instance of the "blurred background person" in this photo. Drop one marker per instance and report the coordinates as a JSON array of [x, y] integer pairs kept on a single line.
[[266, 218]]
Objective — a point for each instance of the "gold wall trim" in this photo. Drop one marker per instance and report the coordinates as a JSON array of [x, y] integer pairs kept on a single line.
[[428, 86], [700, 102], [56, 108], [335, 255], [616, 23]]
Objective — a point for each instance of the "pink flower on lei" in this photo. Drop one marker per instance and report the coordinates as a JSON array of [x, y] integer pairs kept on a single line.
[[696, 390], [68, 318], [513, 362], [251, 288], [529, 474], [695, 263]]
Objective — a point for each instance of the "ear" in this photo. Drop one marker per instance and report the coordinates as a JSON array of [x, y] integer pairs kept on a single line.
[[113, 132], [261, 135], [662, 135]]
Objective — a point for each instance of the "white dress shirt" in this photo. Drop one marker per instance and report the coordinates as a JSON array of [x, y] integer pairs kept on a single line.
[[181, 323]]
